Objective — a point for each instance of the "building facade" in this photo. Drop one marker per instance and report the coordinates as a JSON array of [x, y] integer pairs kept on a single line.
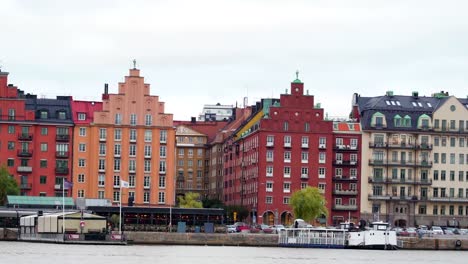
[[217, 112], [346, 168], [286, 145], [414, 159], [131, 139], [36, 143]]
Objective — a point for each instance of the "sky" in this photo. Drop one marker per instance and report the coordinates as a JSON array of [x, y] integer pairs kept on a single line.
[[206, 52]]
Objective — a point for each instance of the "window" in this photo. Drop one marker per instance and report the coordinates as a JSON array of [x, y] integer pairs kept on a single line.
[[338, 172], [269, 156], [116, 196], [43, 163], [147, 151], [269, 171], [321, 172], [81, 147], [162, 151], [118, 119], [285, 126], [304, 157], [102, 133], [10, 162], [181, 152], [322, 142], [102, 149], [287, 187], [11, 145], [82, 132], [435, 175], [131, 180], [147, 182], [452, 142], [116, 181], [303, 185], [101, 180], [199, 152], [322, 157], [62, 115], [81, 162], [117, 164], [287, 141], [133, 119], [162, 181], [338, 201], [305, 141], [190, 163], [80, 193], [443, 158], [44, 114], [161, 197], [304, 172], [132, 150], [148, 120], [81, 178], [131, 165], [147, 166], [148, 136], [133, 135], [286, 200], [269, 186], [43, 147], [102, 164], [162, 136], [287, 172], [81, 116], [287, 156], [306, 127], [118, 134], [162, 166], [117, 150]]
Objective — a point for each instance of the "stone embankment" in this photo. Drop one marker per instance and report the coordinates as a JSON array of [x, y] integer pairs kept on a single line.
[[436, 243]]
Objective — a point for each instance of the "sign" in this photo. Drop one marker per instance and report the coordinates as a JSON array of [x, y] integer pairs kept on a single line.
[[82, 224]]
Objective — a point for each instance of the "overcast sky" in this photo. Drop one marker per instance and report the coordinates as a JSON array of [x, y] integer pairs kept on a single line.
[[200, 52]]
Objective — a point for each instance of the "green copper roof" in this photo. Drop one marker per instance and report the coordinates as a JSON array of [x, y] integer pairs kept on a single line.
[[39, 200]]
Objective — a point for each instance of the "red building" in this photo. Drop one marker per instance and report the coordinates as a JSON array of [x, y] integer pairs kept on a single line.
[[286, 145], [346, 169], [36, 140]]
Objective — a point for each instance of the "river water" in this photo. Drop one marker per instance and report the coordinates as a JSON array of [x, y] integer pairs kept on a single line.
[[39, 253]]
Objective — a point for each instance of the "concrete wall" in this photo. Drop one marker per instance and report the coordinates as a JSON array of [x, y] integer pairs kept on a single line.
[[434, 243], [203, 239]]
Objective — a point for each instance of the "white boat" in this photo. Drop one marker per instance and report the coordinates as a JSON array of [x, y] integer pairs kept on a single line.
[[379, 236]]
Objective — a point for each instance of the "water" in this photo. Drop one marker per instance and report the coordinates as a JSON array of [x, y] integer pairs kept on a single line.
[[38, 253]]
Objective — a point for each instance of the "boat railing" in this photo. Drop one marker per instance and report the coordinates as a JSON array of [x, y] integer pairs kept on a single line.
[[312, 237]]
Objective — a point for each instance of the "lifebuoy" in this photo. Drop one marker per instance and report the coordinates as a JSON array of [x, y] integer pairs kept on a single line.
[[458, 243]]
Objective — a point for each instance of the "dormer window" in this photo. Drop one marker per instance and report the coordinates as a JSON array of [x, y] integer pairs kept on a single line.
[[378, 120], [397, 121], [81, 116], [44, 114], [61, 115], [407, 121]]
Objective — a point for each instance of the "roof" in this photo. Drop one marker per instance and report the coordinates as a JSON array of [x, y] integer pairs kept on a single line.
[[210, 128], [39, 200], [86, 107], [53, 107]]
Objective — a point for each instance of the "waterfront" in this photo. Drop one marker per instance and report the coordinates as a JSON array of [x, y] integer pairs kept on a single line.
[[39, 253]]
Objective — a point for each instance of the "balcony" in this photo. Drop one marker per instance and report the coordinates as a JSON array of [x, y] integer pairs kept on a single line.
[[393, 197], [62, 138], [148, 156], [61, 154], [102, 139], [449, 199], [345, 162], [25, 136], [269, 159], [378, 197], [345, 207], [162, 171], [117, 155], [377, 145], [287, 144], [25, 153], [61, 170], [322, 146], [304, 176], [397, 145], [58, 186], [345, 178], [376, 180], [305, 145], [270, 144], [345, 192], [24, 169], [345, 148], [377, 162], [425, 146], [25, 186], [147, 186], [425, 164], [425, 127]]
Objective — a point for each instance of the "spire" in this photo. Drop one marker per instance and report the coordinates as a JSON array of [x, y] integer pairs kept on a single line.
[[297, 77]]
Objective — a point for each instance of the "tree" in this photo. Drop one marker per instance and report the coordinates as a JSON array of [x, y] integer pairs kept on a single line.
[[8, 185], [212, 203], [308, 204], [190, 200]]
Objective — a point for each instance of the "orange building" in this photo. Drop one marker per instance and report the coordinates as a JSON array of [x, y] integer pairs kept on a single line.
[[129, 139]]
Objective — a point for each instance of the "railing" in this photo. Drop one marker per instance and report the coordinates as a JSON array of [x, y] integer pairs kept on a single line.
[[345, 162], [347, 207], [62, 137], [61, 170], [25, 186], [400, 181], [393, 197], [304, 176], [61, 154], [25, 136], [344, 178], [25, 153], [345, 192], [270, 144], [305, 145], [24, 169], [448, 199]]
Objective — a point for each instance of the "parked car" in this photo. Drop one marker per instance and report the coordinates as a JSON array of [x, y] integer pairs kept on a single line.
[[437, 230], [411, 231], [277, 228], [231, 228], [240, 226], [266, 229]]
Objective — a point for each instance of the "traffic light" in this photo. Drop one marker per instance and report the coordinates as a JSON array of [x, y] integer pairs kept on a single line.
[[235, 216]]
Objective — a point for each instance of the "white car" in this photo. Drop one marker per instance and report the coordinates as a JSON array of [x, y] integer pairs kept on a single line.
[[437, 230], [231, 229]]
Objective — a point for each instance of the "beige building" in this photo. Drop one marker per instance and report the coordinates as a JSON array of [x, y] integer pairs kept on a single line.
[[414, 152]]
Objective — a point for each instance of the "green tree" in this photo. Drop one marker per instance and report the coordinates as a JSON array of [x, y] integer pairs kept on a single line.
[[190, 200], [8, 185], [212, 203], [308, 204]]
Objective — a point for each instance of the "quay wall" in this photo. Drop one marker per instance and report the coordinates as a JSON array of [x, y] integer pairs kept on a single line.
[[436, 243]]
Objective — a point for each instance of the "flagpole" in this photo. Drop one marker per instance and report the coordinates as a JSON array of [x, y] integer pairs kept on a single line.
[[63, 208], [120, 209]]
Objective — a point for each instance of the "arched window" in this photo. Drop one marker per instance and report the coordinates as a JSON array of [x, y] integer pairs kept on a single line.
[[424, 121], [378, 120], [397, 121], [407, 121]]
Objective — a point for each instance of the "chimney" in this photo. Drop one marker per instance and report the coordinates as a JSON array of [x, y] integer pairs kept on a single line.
[[106, 88], [193, 120], [415, 94]]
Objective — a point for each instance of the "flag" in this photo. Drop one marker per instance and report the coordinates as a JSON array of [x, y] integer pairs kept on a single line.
[[66, 184], [124, 184]]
